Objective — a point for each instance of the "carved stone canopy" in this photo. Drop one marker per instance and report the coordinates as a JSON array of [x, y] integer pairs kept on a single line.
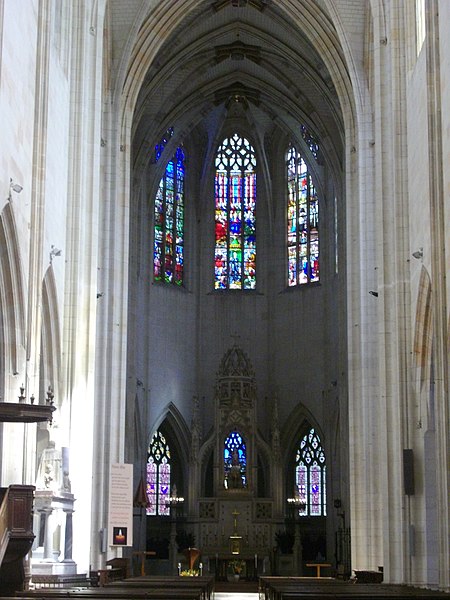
[[235, 363], [235, 384]]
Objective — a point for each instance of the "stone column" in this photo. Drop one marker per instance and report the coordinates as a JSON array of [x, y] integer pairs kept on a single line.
[[48, 533], [68, 536]]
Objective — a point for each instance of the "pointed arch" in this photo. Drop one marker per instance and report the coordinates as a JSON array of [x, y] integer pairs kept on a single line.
[[299, 425], [423, 333], [298, 422], [235, 208], [168, 226], [302, 221], [171, 436], [50, 336], [12, 304], [310, 475], [235, 460]]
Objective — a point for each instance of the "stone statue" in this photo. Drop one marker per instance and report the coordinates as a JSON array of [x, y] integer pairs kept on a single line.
[[234, 476], [49, 476]]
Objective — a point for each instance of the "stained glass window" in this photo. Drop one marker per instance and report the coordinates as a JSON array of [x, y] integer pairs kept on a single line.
[[313, 144], [158, 476], [168, 253], [310, 476], [235, 204], [235, 461], [302, 221], [162, 144]]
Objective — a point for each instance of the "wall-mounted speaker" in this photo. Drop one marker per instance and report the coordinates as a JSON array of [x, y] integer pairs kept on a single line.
[[408, 471]]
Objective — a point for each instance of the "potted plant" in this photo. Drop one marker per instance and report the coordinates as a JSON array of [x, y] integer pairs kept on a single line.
[[236, 566]]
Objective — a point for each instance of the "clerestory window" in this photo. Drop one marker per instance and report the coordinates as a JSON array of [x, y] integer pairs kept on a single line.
[[302, 221], [168, 253], [235, 208]]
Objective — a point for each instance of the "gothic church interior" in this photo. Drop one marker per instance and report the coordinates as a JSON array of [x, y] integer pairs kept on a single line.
[[224, 260]]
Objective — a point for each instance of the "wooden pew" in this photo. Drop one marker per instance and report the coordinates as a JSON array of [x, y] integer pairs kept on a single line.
[[151, 588], [299, 588], [163, 582], [109, 594]]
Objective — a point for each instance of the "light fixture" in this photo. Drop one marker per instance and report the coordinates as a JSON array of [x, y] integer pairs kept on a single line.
[[174, 500], [296, 501], [15, 187], [418, 253], [54, 252]]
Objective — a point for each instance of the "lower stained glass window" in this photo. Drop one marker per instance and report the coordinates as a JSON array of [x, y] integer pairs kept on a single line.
[[158, 476], [310, 476], [235, 203]]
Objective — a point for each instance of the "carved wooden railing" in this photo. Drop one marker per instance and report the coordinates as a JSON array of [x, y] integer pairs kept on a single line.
[[16, 535]]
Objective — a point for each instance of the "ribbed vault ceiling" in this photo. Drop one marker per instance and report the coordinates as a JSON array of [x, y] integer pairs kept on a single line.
[[246, 52]]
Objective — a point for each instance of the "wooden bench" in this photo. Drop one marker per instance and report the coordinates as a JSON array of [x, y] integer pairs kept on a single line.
[[151, 588], [109, 594], [60, 581], [101, 577], [299, 588], [163, 582]]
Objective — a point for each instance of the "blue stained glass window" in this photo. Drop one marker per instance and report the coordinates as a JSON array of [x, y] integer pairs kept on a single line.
[[235, 461], [168, 252], [162, 144], [313, 144], [310, 476], [302, 221], [235, 206], [158, 476]]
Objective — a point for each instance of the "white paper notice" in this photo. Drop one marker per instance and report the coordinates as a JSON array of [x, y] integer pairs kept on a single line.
[[120, 526]]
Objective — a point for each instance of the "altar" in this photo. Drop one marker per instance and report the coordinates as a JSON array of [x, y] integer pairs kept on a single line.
[[222, 566], [240, 507]]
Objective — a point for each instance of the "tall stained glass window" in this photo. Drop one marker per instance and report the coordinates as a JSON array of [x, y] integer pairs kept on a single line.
[[235, 461], [302, 222], [235, 198], [310, 476], [158, 476], [168, 253]]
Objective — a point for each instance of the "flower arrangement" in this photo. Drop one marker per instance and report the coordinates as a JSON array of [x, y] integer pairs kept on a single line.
[[189, 573], [237, 566]]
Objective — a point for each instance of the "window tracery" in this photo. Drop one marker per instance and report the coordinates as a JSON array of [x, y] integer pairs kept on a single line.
[[158, 476], [302, 221], [168, 254], [235, 206], [310, 476]]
